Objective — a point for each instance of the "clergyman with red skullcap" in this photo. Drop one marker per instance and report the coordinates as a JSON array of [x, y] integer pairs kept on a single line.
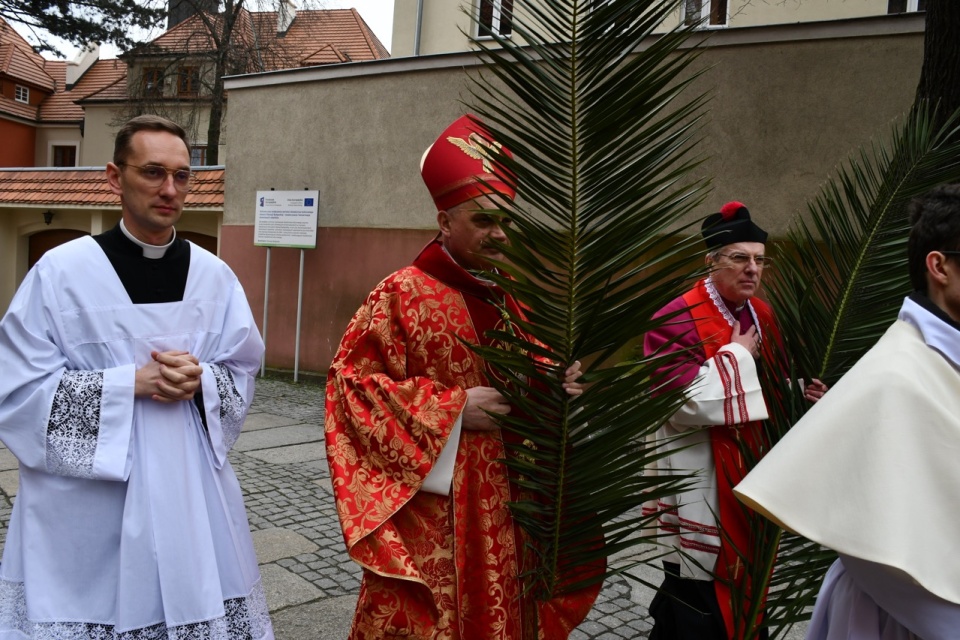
[[715, 332], [415, 457]]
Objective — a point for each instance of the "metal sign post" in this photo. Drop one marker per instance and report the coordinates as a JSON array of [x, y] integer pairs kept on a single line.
[[296, 349], [266, 300]]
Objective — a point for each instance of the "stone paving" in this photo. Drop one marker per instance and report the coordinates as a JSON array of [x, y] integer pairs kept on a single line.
[[310, 583]]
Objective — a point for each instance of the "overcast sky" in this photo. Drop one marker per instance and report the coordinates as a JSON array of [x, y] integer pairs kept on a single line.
[[378, 14]]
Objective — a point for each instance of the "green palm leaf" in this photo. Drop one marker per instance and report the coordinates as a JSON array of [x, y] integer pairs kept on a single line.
[[840, 281], [596, 113]]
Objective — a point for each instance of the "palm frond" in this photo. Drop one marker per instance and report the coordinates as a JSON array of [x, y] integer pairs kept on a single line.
[[595, 110], [841, 278], [844, 276]]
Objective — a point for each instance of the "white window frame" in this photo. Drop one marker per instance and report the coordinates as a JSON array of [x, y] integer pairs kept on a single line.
[[201, 149], [21, 94], [705, 10], [495, 16], [64, 143]]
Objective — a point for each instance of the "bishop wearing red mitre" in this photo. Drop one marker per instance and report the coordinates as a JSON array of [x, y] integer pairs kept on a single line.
[[415, 457]]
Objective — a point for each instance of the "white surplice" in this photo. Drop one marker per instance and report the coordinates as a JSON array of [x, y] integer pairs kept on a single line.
[[871, 471], [129, 521]]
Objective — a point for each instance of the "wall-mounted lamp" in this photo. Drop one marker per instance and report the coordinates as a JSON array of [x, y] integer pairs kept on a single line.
[[48, 216]]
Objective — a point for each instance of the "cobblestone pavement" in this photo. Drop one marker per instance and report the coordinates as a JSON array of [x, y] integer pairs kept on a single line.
[[310, 583], [292, 492]]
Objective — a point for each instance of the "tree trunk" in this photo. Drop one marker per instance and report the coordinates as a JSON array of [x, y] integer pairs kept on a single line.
[[940, 75], [217, 102]]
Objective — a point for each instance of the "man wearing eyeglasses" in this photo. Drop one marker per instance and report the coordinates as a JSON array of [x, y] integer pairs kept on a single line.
[[883, 493], [711, 346], [129, 360]]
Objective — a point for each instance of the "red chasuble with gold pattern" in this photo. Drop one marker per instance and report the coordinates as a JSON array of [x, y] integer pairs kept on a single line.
[[434, 566]]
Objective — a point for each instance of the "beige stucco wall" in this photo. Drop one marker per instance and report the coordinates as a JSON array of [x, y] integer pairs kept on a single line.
[[784, 113], [9, 278], [440, 30], [47, 137], [356, 140], [789, 103], [100, 130], [747, 13], [98, 133]]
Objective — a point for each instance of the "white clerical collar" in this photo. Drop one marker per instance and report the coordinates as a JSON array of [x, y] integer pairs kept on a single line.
[[936, 333], [151, 251], [473, 274]]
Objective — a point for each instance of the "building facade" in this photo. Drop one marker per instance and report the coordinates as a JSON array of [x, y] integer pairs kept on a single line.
[[424, 27], [58, 122], [787, 107]]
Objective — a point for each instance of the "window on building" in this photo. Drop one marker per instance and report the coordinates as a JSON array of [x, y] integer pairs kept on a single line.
[[64, 155], [21, 93], [152, 81], [903, 6], [198, 156], [711, 13], [188, 82], [496, 18]]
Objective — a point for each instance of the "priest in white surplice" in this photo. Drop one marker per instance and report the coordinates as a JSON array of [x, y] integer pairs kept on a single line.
[[872, 470], [128, 364]]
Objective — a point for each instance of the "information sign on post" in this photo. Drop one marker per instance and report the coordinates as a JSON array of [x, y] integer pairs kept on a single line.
[[286, 219]]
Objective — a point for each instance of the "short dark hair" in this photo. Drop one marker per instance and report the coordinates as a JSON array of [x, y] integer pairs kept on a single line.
[[934, 226], [121, 146]]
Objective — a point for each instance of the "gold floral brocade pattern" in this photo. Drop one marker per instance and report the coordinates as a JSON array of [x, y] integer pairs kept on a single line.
[[434, 566]]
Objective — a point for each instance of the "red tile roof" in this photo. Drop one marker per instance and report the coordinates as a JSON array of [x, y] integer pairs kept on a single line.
[[189, 36], [315, 37], [342, 29], [87, 186], [19, 109], [106, 80], [19, 61], [341, 32], [327, 54]]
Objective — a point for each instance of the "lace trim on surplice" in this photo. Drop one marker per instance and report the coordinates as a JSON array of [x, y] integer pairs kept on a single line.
[[74, 424], [244, 619], [721, 306], [231, 404]]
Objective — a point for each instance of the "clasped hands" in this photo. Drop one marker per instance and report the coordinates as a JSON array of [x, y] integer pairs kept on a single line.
[[170, 377], [483, 401]]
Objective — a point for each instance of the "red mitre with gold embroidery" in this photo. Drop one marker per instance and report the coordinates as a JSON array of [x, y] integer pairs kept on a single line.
[[460, 165]]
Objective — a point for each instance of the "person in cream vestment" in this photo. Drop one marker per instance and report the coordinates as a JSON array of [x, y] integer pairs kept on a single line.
[[872, 470]]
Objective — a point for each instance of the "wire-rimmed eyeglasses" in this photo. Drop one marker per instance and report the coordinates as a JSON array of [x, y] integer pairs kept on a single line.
[[155, 175], [743, 259]]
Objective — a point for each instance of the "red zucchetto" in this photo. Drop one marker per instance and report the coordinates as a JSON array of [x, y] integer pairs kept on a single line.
[[731, 224], [459, 164]]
